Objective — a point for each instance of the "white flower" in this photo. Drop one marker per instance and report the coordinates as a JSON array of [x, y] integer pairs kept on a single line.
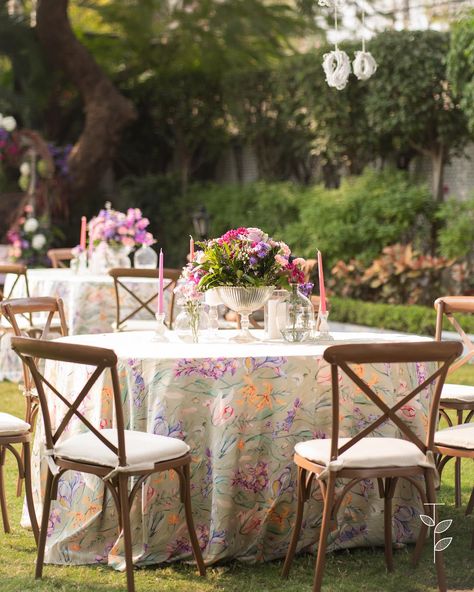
[[31, 225], [25, 168], [8, 123], [38, 242]]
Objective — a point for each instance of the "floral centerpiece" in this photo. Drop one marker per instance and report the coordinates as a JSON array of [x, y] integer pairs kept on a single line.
[[245, 265], [247, 257], [113, 234]]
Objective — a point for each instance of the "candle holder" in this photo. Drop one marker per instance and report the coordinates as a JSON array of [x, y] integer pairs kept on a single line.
[[161, 330], [322, 332]]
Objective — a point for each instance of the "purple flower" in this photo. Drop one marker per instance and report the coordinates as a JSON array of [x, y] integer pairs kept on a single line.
[[252, 478], [306, 289]]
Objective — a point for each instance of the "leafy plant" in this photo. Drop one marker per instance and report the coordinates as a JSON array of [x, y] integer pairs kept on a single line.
[[399, 276]]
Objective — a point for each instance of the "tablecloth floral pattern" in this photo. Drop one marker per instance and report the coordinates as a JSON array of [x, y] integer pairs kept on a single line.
[[241, 417]]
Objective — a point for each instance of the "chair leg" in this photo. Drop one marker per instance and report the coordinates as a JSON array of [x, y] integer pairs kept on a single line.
[[439, 557], [185, 478], [3, 499], [29, 490], [126, 530], [301, 497], [457, 482], [470, 505], [326, 521], [389, 487], [44, 525]]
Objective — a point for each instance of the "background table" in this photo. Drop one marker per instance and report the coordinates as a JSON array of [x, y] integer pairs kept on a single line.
[[241, 409], [89, 302]]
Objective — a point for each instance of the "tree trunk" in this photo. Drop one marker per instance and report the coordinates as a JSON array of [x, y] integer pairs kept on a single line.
[[107, 112], [438, 160]]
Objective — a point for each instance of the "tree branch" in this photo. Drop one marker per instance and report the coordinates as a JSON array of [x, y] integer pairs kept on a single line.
[[107, 111]]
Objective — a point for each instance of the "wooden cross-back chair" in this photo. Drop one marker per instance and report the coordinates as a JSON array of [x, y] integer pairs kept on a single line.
[[20, 273], [125, 320], [114, 455], [363, 457], [14, 311], [59, 256], [458, 398]]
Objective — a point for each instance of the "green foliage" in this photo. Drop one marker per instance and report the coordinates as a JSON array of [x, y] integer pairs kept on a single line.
[[420, 320], [461, 64], [410, 100], [384, 206], [360, 218], [456, 236], [24, 79]]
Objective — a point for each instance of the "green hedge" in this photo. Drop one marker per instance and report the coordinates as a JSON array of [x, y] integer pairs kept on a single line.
[[420, 320]]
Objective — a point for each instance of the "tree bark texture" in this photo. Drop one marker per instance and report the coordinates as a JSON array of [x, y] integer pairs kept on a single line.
[[107, 112]]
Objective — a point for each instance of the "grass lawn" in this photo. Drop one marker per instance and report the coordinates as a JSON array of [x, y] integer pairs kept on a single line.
[[356, 571]]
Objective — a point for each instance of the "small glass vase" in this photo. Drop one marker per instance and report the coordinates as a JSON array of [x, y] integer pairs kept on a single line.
[[145, 258], [191, 321], [296, 325]]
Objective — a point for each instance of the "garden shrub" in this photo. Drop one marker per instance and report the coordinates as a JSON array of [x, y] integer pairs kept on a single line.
[[420, 320], [363, 216]]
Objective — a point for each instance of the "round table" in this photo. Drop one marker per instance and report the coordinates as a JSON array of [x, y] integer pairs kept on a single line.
[[89, 302], [241, 408]]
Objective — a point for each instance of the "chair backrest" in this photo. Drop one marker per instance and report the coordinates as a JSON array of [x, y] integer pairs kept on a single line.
[[58, 256], [121, 275], [32, 350], [340, 356], [446, 306], [16, 309], [19, 272]]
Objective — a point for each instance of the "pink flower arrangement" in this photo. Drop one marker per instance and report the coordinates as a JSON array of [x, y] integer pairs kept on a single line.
[[245, 257], [119, 228]]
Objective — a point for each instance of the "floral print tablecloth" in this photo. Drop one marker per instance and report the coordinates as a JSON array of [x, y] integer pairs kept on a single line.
[[89, 302], [241, 409]]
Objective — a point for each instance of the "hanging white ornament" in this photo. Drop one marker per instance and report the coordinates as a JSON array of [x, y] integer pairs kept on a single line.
[[337, 67], [364, 65]]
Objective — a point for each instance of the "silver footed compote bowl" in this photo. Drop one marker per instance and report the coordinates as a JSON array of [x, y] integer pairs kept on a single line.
[[244, 301]]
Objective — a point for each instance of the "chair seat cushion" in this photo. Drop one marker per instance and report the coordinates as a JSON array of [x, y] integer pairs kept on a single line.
[[142, 449], [366, 453], [12, 426], [459, 436], [457, 392]]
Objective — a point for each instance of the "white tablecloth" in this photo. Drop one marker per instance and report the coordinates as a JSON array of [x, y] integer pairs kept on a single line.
[[241, 408]]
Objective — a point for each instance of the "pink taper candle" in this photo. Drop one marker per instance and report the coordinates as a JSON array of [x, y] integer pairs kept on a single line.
[[322, 289], [191, 248], [161, 307], [83, 233]]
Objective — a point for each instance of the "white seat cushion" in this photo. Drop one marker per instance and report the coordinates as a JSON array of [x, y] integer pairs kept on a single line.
[[366, 453], [457, 392], [142, 449], [12, 426], [459, 436]]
